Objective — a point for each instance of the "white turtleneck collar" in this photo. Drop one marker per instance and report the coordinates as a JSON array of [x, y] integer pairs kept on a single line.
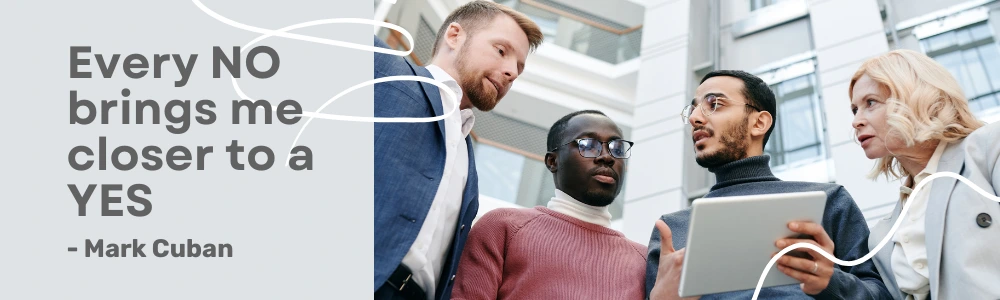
[[565, 204]]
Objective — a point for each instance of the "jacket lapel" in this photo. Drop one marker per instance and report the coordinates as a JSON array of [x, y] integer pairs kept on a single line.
[[952, 160], [433, 95], [472, 182]]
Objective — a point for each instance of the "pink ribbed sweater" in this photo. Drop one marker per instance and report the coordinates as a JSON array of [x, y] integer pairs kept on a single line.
[[537, 253]]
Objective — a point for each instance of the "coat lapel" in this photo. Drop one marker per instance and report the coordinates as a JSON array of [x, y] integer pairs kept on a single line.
[[472, 182], [952, 160], [433, 95]]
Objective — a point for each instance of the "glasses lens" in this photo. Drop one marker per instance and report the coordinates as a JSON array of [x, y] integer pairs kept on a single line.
[[589, 147], [686, 113], [711, 103], [619, 148]]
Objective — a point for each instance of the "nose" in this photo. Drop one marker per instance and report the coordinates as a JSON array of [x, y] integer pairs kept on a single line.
[[605, 157], [510, 70], [696, 117], [859, 122]]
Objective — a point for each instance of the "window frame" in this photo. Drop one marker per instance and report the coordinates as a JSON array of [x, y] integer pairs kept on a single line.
[[960, 48]]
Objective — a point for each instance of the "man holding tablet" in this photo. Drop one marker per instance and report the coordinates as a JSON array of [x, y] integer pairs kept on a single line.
[[732, 117]]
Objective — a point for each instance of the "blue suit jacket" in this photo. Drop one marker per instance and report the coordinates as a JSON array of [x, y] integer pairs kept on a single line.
[[409, 164]]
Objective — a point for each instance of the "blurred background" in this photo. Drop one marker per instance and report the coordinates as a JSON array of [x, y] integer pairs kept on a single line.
[[639, 61]]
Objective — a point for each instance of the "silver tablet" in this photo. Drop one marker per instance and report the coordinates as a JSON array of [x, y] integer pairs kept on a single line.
[[731, 239]]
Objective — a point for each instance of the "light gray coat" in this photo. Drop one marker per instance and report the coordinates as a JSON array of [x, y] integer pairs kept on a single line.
[[963, 256]]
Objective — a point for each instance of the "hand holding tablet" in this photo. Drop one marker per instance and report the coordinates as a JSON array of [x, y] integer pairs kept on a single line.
[[813, 269], [731, 239]]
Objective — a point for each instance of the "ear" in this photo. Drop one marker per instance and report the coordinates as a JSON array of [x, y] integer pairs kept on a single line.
[[455, 36], [550, 162], [761, 124]]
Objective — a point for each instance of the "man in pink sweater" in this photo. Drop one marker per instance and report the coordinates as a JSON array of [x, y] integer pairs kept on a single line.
[[564, 250]]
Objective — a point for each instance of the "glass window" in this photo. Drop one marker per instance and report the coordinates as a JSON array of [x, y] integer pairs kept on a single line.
[[424, 42], [501, 169], [990, 56], [940, 41], [971, 55], [981, 31], [798, 134], [758, 4], [593, 35]]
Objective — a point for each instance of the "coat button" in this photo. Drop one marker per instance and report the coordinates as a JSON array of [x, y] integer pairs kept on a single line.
[[452, 277], [984, 220], [462, 228]]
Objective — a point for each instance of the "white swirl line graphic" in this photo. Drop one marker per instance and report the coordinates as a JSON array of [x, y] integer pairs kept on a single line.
[[452, 97], [902, 215], [283, 32]]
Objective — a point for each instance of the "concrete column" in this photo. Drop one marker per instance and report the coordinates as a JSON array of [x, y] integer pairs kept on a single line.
[[841, 46], [655, 169]]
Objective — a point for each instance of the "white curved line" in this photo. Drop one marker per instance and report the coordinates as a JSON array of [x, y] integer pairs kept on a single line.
[[269, 32], [282, 32], [447, 91], [885, 240], [236, 85]]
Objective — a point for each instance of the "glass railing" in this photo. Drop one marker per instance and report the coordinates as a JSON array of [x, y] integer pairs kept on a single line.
[[581, 32]]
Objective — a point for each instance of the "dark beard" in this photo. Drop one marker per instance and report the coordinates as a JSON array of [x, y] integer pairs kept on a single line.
[[734, 148], [482, 98]]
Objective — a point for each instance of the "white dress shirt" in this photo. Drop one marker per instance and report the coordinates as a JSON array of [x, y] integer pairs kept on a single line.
[[909, 256], [426, 256], [565, 204]]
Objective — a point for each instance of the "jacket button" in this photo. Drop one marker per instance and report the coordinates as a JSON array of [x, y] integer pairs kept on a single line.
[[452, 277], [984, 220], [462, 228]]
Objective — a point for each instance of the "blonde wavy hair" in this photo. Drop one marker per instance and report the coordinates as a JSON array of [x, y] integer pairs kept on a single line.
[[925, 103]]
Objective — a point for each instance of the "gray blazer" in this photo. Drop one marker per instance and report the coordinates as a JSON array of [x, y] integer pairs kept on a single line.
[[962, 226]]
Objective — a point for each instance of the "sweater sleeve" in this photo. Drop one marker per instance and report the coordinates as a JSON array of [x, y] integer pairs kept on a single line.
[[480, 270], [849, 231]]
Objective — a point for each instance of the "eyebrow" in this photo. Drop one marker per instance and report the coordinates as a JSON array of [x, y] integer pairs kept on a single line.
[[866, 96], [720, 95], [593, 135], [585, 134], [717, 95]]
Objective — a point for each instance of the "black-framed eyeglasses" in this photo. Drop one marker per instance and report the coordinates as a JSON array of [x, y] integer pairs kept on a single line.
[[708, 106], [591, 148]]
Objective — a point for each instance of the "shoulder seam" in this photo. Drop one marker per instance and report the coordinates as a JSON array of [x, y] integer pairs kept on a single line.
[[636, 248], [518, 230]]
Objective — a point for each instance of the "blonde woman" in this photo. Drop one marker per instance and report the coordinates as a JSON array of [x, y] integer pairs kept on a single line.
[[911, 117]]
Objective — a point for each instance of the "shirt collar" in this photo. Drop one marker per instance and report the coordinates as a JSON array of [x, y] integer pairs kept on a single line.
[[443, 77], [467, 117], [468, 120], [932, 164], [565, 204], [931, 168], [750, 169]]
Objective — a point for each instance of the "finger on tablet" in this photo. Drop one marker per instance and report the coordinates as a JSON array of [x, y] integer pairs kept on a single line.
[[815, 230]]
